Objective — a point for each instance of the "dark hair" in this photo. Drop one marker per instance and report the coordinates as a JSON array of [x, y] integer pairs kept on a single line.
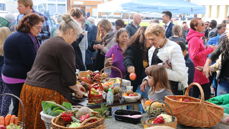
[[159, 74], [184, 22], [76, 13], [194, 23], [225, 48], [138, 39], [182, 46], [167, 13], [120, 31], [220, 26], [28, 21], [120, 23], [213, 24]]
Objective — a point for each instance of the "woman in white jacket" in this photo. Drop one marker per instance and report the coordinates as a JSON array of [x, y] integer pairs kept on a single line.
[[168, 53]]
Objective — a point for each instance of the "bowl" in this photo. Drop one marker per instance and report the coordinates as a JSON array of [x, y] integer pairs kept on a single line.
[[132, 98]]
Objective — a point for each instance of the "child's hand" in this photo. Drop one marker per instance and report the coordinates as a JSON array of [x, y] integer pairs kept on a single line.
[[131, 69], [143, 85]]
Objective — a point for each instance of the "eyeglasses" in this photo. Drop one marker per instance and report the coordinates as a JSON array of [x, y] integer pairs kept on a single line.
[[201, 24]]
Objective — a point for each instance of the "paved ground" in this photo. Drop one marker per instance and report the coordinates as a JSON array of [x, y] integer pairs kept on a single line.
[[113, 124]]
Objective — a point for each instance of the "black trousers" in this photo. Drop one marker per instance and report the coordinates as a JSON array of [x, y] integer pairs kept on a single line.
[[206, 88]]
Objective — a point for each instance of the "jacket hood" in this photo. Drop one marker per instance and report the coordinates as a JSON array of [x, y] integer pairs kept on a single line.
[[192, 33]]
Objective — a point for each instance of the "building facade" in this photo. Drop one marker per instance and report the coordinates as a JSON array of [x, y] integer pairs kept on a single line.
[[215, 9]]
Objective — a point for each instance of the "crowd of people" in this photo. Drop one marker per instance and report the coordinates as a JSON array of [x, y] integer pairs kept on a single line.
[[165, 59]]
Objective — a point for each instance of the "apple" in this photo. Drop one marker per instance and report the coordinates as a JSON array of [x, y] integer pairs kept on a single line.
[[2, 127], [132, 76]]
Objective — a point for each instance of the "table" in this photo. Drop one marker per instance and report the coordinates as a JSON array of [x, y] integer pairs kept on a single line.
[[111, 123]]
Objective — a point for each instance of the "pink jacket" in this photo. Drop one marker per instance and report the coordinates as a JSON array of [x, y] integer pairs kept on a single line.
[[198, 54]]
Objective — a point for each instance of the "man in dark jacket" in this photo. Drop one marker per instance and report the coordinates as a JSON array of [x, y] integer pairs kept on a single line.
[[166, 17], [133, 26]]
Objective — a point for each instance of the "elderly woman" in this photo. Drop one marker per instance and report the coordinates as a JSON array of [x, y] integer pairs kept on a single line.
[[167, 53], [104, 41], [52, 76], [198, 54], [20, 49]]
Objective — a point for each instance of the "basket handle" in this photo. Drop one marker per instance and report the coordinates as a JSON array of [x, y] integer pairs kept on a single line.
[[87, 120], [200, 88], [171, 112], [102, 70], [22, 106]]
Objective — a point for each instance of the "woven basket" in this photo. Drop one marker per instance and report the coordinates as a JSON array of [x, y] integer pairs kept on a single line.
[[22, 123], [148, 122], [197, 112], [99, 124]]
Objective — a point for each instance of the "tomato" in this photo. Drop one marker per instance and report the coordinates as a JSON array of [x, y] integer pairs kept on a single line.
[[132, 76], [112, 56]]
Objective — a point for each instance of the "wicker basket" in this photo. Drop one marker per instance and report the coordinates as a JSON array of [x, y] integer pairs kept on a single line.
[[197, 112], [147, 122], [47, 119], [95, 98], [99, 124], [22, 123]]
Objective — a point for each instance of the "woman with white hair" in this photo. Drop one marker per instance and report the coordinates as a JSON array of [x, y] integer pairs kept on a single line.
[[52, 76]]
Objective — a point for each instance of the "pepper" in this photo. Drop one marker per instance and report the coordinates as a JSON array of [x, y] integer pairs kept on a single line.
[[67, 116], [159, 120]]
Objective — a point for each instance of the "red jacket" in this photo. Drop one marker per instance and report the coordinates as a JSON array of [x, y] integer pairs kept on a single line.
[[198, 54]]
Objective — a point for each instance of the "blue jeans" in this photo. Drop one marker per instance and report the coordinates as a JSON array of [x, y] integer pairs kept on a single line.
[[223, 87]]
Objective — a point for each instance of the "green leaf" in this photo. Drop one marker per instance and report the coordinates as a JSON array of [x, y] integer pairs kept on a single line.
[[67, 105]]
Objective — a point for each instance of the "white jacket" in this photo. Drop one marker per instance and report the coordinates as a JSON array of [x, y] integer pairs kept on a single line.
[[172, 53]]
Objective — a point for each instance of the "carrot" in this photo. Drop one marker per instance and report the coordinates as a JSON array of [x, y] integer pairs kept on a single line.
[[12, 119], [16, 121], [2, 121], [7, 119]]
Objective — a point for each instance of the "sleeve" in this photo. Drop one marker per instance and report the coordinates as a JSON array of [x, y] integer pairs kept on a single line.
[[215, 55], [108, 46], [179, 71], [27, 51], [191, 70], [194, 48], [67, 65], [45, 32], [129, 30], [109, 53], [129, 57]]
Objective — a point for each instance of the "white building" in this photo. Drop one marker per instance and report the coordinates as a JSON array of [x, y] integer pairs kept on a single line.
[[215, 9]]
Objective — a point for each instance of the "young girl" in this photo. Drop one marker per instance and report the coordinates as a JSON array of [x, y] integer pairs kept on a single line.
[[158, 82], [114, 56]]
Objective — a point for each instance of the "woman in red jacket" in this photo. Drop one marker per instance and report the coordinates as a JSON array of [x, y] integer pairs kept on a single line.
[[198, 54]]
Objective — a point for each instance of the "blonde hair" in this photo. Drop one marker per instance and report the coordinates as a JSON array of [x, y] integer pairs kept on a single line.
[[106, 25], [155, 29], [4, 33], [68, 23]]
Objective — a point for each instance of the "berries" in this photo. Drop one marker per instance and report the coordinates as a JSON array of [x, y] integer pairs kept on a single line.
[[67, 116], [159, 120], [132, 76]]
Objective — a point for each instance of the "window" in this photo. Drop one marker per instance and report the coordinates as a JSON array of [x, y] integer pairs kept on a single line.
[[2, 7], [51, 9], [61, 8]]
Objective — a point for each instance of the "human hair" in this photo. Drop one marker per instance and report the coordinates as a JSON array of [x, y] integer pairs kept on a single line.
[[184, 22], [120, 23], [120, 31], [106, 25], [159, 75], [76, 13], [213, 24], [4, 33], [28, 21], [26, 3], [194, 23], [167, 13], [68, 23], [155, 29], [182, 45], [177, 30], [220, 26], [225, 48]]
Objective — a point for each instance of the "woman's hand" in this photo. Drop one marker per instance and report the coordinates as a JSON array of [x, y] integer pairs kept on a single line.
[[206, 68], [131, 69], [79, 90], [109, 62], [99, 46], [143, 85]]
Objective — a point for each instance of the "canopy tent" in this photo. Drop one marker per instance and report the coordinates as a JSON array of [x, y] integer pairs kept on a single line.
[[158, 6], [175, 6]]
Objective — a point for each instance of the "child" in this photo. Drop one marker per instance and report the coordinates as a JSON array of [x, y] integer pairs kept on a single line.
[[158, 83], [115, 56]]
